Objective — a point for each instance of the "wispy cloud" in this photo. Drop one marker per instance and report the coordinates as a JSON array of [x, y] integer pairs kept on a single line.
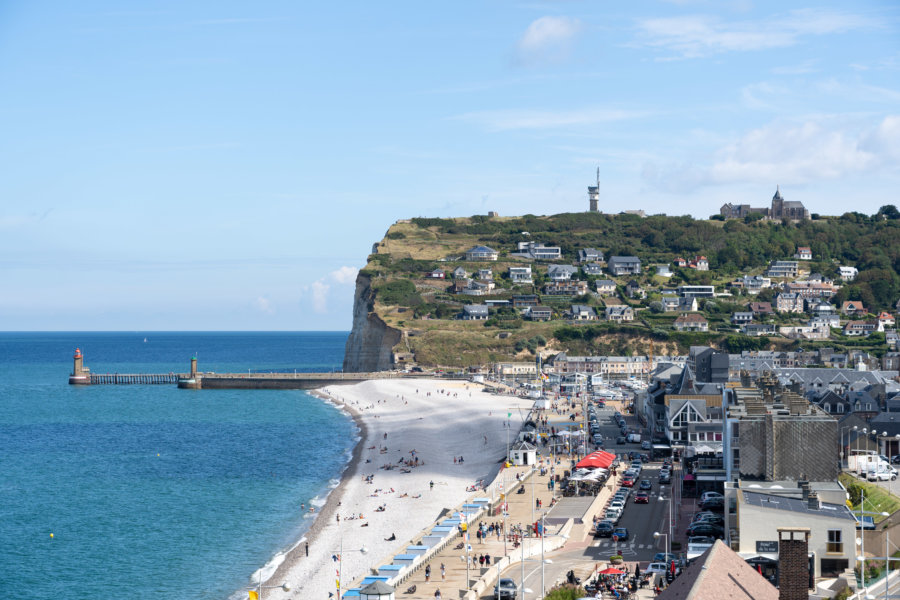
[[816, 149], [807, 66], [701, 35], [264, 305], [320, 289], [345, 275], [512, 119], [547, 40]]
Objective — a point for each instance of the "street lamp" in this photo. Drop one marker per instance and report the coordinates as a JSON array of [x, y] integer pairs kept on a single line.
[[260, 587], [864, 432], [656, 535], [340, 557], [861, 540], [661, 498], [845, 455]]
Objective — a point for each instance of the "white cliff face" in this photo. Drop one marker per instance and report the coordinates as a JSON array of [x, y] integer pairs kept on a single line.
[[371, 341]]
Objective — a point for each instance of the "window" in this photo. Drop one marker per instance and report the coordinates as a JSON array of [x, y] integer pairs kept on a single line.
[[835, 545], [736, 458], [840, 408], [718, 437]]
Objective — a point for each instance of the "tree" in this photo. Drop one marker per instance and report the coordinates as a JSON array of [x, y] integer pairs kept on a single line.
[[888, 211]]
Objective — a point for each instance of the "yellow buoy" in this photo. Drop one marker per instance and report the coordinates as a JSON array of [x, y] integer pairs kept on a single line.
[[51, 535]]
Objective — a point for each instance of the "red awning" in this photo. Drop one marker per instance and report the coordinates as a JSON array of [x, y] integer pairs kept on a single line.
[[594, 460]]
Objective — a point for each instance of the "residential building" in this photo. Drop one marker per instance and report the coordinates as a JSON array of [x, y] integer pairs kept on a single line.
[[539, 313], [663, 270], [803, 253], [783, 269], [485, 274], [516, 370], [460, 273], [758, 329], [566, 288], [885, 319], [520, 275], [481, 253], [619, 313], [691, 322], [474, 312], [805, 332], [761, 309], [753, 283], [523, 301], [853, 307], [606, 287], [610, 367], [825, 320], [592, 268], [475, 288], [848, 273], [436, 274], [537, 251], [892, 338], [811, 291], [860, 328], [678, 304], [561, 272], [633, 290], [719, 572], [700, 263], [696, 291], [581, 312], [680, 262], [789, 303], [740, 318], [587, 255], [624, 265]]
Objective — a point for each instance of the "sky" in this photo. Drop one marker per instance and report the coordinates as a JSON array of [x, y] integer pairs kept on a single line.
[[217, 165]]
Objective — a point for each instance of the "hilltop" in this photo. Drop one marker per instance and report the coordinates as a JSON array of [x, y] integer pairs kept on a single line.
[[467, 291]]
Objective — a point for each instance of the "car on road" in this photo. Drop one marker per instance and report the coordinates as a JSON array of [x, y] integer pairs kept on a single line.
[[664, 477], [708, 495], [620, 440], [645, 485], [506, 589], [604, 528], [707, 529], [656, 568], [621, 533], [630, 473], [664, 557], [645, 445], [642, 498]]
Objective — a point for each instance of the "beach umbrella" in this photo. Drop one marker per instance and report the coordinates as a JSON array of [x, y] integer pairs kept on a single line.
[[611, 571]]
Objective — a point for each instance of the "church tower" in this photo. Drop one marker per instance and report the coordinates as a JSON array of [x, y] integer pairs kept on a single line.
[[594, 194], [777, 210]]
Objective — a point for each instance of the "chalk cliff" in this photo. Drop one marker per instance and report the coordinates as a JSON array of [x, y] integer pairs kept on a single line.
[[371, 340]]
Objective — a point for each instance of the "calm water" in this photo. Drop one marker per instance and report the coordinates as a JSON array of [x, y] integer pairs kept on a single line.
[[152, 491]]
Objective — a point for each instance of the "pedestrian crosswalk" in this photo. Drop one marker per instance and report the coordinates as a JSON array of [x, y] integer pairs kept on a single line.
[[622, 546]]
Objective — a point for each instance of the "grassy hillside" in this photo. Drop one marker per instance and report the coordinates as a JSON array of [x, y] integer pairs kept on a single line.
[[427, 308]]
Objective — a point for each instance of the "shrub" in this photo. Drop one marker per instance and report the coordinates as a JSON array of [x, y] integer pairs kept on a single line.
[[401, 292]]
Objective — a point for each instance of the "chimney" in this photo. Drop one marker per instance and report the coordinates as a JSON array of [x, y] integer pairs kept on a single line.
[[813, 499], [804, 490], [793, 546]]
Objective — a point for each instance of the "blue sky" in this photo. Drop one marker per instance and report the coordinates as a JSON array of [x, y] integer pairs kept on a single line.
[[228, 165]]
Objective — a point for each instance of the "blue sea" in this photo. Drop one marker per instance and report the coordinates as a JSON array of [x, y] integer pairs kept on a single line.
[[148, 491]]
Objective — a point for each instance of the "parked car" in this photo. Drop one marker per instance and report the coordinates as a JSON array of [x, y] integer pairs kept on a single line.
[[664, 557], [617, 505], [701, 539], [628, 481], [642, 498], [613, 515], [656, 568], [604, 528], [645, 445], [707, 529], [707, 495], [506, 589], [621, 533], [714, 504]]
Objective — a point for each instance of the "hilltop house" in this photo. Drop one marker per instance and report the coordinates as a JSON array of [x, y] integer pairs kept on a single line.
[[523, 301], [860, 328], [885, 319], [481, 253], [460, 273], [853, 307], [805, 332], [740, 318], [474, 312], [785, 269], [758, 329], [803, 253], [606, 287], [678, 304], [633, 290], [624, 265], [680, 262], [789, 302], [699, 263], [561, 272], [536, 251], [539, 313], [752, 283], [691, 322], [566, 288], [580, 312], [663, 270], [619, 313], [592, 268], [586, 255], [485, 274], [520, 275], [437, 274], [848, 273], [761, 309]]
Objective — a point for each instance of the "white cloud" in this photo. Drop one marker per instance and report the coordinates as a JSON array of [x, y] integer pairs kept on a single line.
[[789, 153], [700, 35], [263, 305], [505, 120], [320, 296], [344, 275], [547, 39]]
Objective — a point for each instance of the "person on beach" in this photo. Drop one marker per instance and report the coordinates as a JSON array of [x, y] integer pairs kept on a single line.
[[437, 594], [443, 573], [427, 573]]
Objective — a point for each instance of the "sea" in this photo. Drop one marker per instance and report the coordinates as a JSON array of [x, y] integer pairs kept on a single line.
[[148, 491]]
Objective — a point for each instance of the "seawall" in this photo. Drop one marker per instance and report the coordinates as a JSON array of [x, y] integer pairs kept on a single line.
[[371, 340]]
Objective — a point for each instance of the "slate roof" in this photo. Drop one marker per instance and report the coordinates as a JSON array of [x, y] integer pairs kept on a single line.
[[797, 505], [719, 573]]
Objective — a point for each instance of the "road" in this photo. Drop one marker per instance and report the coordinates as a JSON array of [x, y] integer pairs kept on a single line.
[[641, 520]]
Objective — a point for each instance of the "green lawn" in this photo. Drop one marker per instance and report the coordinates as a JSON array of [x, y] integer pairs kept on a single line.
[[877, 500]]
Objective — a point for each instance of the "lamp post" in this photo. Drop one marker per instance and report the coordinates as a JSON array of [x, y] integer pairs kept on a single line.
[[661, 498], [845, 456], [656, 535], [864, 432], [260, 587], [362, 550], [861, 540]]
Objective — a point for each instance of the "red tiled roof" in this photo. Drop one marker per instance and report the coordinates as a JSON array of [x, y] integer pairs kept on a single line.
[[719, 573]]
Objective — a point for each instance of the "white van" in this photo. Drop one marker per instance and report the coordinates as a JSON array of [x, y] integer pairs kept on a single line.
[[634, 438]]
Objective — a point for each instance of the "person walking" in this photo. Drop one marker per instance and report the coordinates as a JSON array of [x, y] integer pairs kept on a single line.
[[443, 572], [437, 594], [427, 573]]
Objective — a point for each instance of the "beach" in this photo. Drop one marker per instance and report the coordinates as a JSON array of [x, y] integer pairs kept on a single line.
[[418, 427]]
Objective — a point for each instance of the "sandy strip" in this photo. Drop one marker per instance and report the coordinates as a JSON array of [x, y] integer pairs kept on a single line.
[[415, 415]]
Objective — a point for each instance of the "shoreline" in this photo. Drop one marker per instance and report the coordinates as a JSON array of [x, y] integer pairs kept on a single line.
[[297, 552], [400, 479]]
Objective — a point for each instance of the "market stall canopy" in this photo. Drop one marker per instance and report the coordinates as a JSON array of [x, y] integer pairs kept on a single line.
[[599, 459]]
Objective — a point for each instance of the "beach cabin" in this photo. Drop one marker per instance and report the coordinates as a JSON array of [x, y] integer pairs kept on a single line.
[[377, 590], [390, 571], [523, 453], [417, 550]]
